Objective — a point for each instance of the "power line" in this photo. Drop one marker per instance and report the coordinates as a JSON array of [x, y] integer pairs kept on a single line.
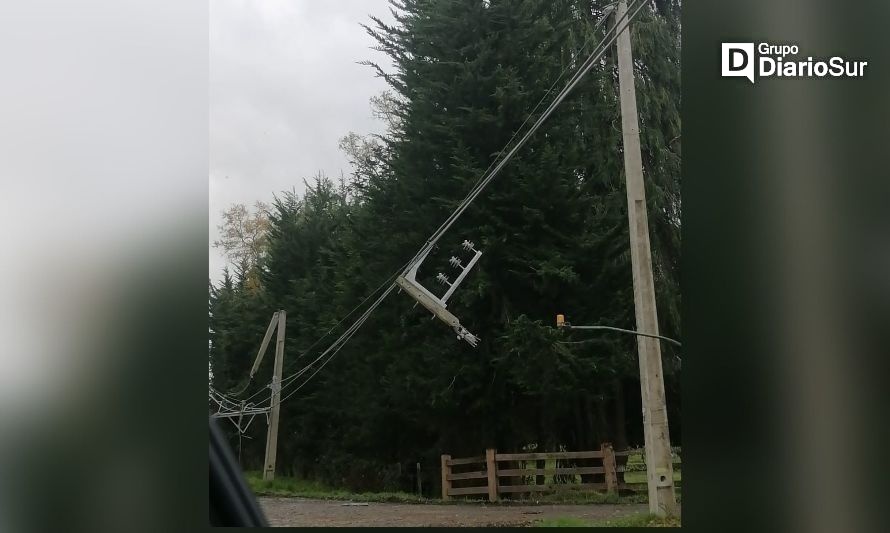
[[521, 126], [588, 64], [572, 83], [333, 349], [486, 178], [620, 330], [332, 328], [359, 324], [354, 309]]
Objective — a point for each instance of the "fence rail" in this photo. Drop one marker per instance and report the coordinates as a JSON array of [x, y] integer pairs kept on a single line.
[[510, 473]]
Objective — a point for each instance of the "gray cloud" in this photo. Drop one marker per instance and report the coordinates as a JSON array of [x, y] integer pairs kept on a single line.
[[284, 87]]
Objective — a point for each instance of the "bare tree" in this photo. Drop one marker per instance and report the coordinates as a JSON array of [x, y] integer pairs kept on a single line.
[[244, 234]]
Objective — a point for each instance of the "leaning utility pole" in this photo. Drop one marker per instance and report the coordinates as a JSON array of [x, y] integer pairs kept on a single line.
[[660, 475], [272, 435]]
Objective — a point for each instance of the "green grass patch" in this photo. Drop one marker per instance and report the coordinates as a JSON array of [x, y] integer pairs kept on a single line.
[[563, 522], [639, 520], [587, 497], [581, 497], [301, 488]]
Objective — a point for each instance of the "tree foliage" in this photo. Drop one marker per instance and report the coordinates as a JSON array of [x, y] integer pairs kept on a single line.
[[244, 238], [552, 228]]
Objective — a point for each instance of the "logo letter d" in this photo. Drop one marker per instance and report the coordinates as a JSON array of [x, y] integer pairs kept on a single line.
[[738, 60]]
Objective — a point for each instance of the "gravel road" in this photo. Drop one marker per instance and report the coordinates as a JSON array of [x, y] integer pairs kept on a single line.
[[306, 512]]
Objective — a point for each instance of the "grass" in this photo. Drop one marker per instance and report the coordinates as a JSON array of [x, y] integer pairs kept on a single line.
[[638, 520], [293, 487], [582, 497], [568, 497], [563, 522]]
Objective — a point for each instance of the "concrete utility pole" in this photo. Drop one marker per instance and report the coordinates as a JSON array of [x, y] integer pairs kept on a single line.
[[660, 472], [272, 435]]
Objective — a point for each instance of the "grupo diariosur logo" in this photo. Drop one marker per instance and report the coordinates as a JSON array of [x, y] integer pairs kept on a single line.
[[783, 61]]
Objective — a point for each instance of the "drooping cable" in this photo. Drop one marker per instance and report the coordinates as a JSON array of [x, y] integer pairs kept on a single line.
[[610, 36]]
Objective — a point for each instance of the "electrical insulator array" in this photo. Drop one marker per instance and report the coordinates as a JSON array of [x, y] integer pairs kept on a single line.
[[423, 296]]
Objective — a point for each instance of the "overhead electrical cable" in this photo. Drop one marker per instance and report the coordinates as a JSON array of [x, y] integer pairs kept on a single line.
[[609, 37], [588, 64]]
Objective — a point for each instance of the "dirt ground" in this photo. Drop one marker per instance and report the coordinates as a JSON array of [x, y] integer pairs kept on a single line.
[[305, 512]]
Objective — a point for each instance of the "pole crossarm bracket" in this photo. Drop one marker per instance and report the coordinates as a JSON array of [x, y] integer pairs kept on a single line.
[[434, 304]]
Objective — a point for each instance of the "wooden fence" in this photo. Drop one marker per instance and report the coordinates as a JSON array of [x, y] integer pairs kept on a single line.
[[623, 466], [504, 473]]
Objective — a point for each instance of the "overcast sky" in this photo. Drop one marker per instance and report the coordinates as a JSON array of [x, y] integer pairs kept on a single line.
[[285, 86]]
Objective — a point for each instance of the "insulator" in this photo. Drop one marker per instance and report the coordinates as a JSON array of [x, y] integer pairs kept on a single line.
[[443, 279], [468, 245], [455, 262]]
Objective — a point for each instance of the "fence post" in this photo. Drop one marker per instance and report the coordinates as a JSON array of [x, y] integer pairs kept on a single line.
[[419, 482], [491, 466], [609, 467], [446, 471]]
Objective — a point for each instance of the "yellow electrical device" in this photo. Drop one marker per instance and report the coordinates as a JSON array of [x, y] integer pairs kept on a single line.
[[560, 321]]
